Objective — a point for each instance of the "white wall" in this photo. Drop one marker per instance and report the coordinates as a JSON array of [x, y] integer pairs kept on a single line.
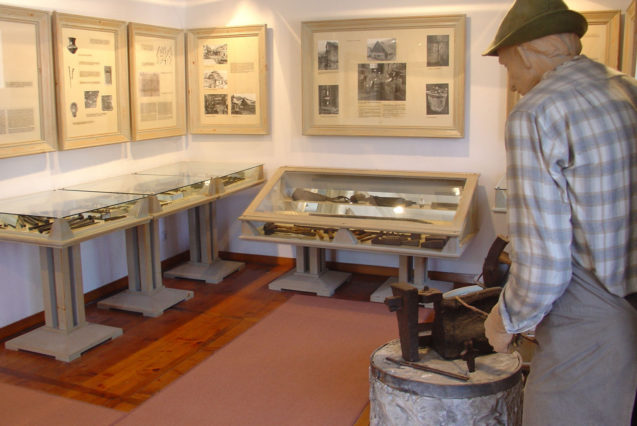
[[481, 150]]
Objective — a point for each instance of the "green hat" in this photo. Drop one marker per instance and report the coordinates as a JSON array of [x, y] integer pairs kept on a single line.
[[531, 19]]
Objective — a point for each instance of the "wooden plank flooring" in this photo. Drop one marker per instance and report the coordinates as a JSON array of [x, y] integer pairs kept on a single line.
[[152, 352]]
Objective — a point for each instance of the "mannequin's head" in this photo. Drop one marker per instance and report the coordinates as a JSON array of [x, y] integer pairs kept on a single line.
[[527, 62], [533, 19]]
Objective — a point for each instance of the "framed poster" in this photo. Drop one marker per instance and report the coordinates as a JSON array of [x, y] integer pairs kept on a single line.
[[384, 77], [157, 81], [600, 43], [27, 106], [227, 85], [629, 52], [91, 71]]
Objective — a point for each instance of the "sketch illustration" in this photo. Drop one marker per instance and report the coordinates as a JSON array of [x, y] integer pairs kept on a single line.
[[164, 55], [382, 82], [216, 54], [244, 104], [72, 47], [107, 102], [148, 84], [438, 99], [328, 99], [216, 79], [216, 104], [327, 55], [437, 50], [381, 49]]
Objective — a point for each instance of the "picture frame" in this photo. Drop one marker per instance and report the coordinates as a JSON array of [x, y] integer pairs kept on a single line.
[[227, 80], [91, 71], [27, 94], [629, 51], [600, 43], [401, 76], [157, 70]]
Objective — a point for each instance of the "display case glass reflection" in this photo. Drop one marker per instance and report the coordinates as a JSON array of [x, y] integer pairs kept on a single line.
[[409, 209], [231, 175], [36, 214]]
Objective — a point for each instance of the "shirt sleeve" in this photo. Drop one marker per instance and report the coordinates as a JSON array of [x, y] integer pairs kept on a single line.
[[539, 219]]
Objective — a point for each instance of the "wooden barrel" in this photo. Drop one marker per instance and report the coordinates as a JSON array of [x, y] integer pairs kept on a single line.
[[402, 395]]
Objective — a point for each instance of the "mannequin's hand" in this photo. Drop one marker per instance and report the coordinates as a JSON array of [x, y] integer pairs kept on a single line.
[[495, 332]]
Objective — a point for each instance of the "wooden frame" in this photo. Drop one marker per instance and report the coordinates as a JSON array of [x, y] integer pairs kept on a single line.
[[227, 80], [27, 106], [384, 77], [629, 52], [157, 81], [600, 43], [91, 70]]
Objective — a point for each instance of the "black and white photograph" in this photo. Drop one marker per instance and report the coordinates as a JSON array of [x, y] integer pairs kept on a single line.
[[438, 99], [90, 98], [215, 54], [244, 104], [216, 104], [327, 55], [108, 74], [107, 102], [437, 50], [215, 79], [148, 84], [328, 99], [381, 49], [382, 82]]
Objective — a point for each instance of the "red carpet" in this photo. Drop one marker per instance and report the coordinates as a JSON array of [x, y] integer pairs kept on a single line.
[[22, 406], [304, 364]]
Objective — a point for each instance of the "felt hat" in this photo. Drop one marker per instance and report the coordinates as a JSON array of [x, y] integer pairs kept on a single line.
[[531, 19]]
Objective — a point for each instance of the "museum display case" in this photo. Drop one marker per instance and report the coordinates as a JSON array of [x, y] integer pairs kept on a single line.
[[58, 221], [413, 214], [61, 218]]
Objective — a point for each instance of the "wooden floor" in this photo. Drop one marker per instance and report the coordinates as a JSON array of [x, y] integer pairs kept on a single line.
[[152, 352]]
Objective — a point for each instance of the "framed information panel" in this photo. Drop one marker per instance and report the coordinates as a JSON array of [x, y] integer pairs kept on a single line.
[[157, 81], [91, 70], [227, 85], [384, 77], [27, 106]]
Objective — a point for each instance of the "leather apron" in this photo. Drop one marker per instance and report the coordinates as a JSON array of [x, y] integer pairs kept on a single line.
[[584, 371]]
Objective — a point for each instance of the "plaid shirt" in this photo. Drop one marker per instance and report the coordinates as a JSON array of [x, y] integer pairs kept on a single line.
[[571, 162]]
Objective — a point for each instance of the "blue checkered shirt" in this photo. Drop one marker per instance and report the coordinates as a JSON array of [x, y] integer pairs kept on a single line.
[[571, 168]]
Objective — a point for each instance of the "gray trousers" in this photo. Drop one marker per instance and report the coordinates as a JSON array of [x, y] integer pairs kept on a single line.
[[584, 371]]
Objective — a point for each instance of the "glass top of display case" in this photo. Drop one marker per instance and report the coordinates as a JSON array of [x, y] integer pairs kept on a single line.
[[61, 204], [140, 184], [309, 195], [200, 169]]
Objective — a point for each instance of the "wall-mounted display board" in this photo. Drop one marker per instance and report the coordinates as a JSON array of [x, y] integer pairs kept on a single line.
[[91, 70], [600, 43], [629, 52], [227, 84], [384, 77], [27, 106], [157, 81]]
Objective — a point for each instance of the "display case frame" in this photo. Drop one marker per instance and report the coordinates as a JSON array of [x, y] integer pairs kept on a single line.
[[316, 209], [227, 80], [629, 51], [27, 40], [349, 87], [157, 71], [98, 112]]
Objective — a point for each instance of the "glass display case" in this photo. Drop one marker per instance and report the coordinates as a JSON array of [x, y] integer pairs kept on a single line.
[[166, 194], [60, 218], [225, 177], [413, 214]]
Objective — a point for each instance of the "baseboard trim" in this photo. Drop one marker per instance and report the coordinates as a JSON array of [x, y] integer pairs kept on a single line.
[[121, 284]]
